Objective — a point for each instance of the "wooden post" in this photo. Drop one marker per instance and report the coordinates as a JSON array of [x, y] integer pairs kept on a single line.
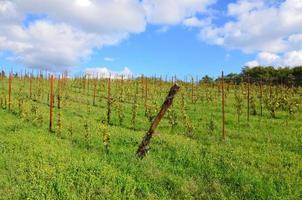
[[270, 89], [142, 85], [248, 98], [88, 84], [122, 86], [10, 79], [50, 102], [146, 94], [143, 147], [222, 103], [261, 93], [30, 86], [192, 87], [218, 89], [94, 91], [2, 75], [59, 92], [109, 101], [84, 83]]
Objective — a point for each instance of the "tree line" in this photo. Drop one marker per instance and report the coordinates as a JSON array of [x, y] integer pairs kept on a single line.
[[270, 75]]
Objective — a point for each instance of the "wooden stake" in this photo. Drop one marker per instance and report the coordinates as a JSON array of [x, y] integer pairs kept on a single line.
[[10, 91], [109, 101], [122, 86], [223, 112], [142, 85], [30, 85], [261, 97], [143, 147], [248, 98], [94, 91], [192, 87], [146, 95], [59, 92], [50, 102]]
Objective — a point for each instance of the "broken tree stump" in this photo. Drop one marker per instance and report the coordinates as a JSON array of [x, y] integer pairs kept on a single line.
[[143, 147]]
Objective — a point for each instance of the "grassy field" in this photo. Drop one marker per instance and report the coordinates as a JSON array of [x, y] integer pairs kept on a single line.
[[260, 159]]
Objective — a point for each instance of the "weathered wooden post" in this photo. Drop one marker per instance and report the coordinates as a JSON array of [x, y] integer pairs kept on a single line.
[[143, 147]]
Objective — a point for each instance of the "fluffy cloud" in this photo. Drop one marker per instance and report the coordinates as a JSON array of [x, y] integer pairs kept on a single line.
[[97, 16], [104, 72], [242, 7], [195, 22], [288, 59], [49, 46], [69, 32], [171, 12], [259, 26], [267, 26]]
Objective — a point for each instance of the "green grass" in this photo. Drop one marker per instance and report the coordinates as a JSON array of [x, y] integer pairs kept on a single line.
[[261, 159]]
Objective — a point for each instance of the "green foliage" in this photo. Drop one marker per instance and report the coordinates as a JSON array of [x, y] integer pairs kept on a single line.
[[238, 103], [253, 110], [152, 110], [211, 126], [134, 107], [106, 136], [172, 116], [272, 103], [189, 128]]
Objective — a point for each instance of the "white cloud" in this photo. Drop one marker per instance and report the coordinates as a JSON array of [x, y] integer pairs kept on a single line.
[[195, 22], [170, 12], [293, 58], [104, 72], [254, 26], [288, 59], [267, 58], [83, 3], [253, 63], [243, 7], [70, 32], [116, 16], [259, 26], [50, 46]]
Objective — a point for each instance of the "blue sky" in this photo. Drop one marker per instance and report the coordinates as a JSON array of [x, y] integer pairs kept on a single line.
[[175, 52], [151, 37]]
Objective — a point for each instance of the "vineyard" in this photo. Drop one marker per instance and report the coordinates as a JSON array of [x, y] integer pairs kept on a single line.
[[69, 138]]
